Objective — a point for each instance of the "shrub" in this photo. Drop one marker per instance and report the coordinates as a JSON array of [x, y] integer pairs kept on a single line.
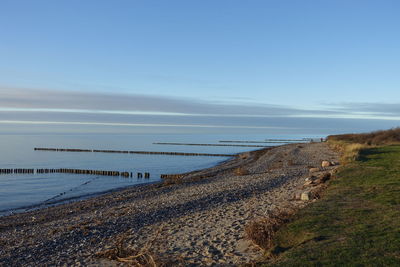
[[262, 231], [374, 138], [241, 171], [144, 257], [244, 155], [352, 144]]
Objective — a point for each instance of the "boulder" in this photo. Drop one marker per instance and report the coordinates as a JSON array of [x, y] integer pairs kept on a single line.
[[316, 190], [310, 180], [324, 177], [325, 163], [314, 170]]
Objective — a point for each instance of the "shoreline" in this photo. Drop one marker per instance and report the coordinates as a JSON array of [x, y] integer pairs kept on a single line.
[[66, 201], [201, 216], [71, 200]]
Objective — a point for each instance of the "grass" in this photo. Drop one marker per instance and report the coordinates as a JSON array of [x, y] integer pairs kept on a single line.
[[356, 223]]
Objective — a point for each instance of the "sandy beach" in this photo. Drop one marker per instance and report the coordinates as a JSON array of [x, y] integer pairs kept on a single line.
[[197, 221]]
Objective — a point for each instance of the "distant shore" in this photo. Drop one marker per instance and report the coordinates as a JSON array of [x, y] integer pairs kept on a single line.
[[198, 218]]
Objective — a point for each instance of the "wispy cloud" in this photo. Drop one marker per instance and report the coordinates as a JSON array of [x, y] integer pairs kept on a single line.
[[139, 124], [370, 109], [68, 101], [36, 108]]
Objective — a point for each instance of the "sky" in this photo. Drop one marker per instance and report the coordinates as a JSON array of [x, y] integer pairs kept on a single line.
[[276, 66]]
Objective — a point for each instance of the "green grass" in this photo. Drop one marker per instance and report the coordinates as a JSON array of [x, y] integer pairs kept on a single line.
[[356, 223]]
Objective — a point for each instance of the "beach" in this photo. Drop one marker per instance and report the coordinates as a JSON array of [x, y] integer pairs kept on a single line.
[[198, 219]]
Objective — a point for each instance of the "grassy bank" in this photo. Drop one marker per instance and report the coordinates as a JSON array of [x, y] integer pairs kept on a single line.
[[356, 223]]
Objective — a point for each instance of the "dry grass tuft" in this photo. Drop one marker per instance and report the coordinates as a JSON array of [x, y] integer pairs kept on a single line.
[[349, 151], [143, 257], [352, 152], [121, 253], [244, 155], [240, 171], [262, 231]]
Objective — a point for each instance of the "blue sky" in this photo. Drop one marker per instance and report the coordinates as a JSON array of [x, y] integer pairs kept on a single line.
[[210, 61]]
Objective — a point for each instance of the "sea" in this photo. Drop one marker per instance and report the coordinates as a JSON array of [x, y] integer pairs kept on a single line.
[[24, 192]]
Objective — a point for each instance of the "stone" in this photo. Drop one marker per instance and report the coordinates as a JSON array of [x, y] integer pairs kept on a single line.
[[305, 196], [311, 178], [325, 163], [315, 191], [314, 170], [324, 177], [308, 182]]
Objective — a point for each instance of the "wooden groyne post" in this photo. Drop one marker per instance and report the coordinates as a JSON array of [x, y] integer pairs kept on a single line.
[[189, 144], [17, 171], [133, 152], [70, 171]]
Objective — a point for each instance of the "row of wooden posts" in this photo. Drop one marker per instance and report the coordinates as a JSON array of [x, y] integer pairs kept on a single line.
[[145, 175], [132, 152], [189, 144], [7, 171]]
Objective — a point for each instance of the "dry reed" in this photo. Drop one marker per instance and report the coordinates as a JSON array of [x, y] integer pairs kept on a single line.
[[240, 171], [262, 231]]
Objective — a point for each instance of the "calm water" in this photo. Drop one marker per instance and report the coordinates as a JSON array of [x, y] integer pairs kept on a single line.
[[17, 192]]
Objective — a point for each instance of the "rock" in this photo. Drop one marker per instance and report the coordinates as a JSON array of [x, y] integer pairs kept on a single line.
[[305, 196], [325, 163], [314, 170], [307, 183], [309, 180], [315, 191], [324, 177]]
